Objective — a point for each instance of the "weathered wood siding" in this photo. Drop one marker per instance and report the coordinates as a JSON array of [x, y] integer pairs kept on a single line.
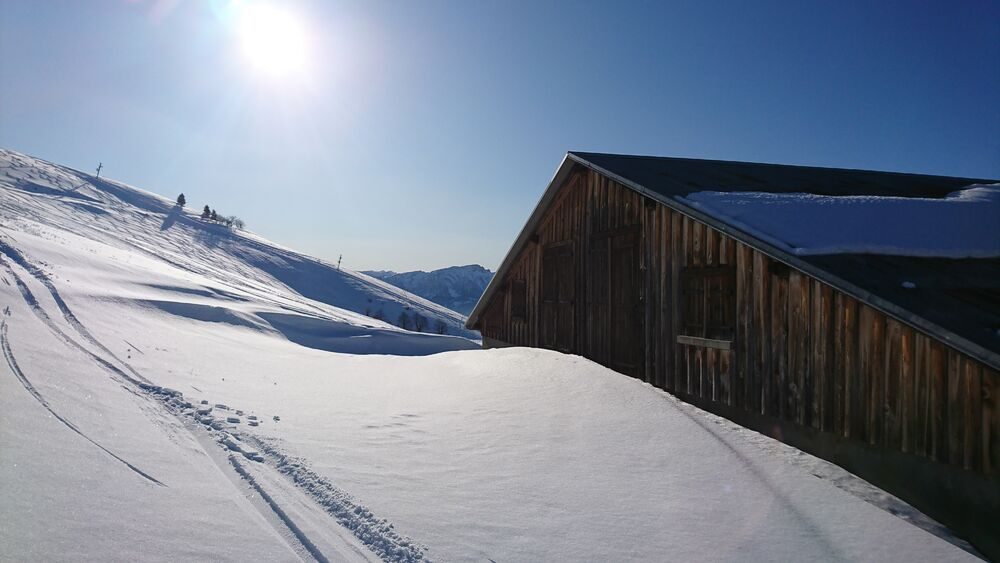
[[803, 352]]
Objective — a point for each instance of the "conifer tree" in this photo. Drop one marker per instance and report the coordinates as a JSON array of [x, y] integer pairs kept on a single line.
[[403, 321], [206, 213], [181, 200], [419, 322]]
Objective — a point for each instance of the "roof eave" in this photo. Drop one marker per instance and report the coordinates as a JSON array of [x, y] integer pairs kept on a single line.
[[974, 350], [964, 345], [561, 173]]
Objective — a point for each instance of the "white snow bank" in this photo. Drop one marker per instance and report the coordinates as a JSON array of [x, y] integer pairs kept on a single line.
[[966, 224], [114, 325]]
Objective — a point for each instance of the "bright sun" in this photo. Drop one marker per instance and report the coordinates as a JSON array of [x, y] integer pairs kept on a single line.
[[274, 41]]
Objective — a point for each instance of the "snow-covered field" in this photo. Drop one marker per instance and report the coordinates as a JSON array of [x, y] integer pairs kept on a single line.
[[170, 389]]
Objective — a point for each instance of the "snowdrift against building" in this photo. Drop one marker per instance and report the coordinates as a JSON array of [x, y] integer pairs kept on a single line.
[[167, 391]]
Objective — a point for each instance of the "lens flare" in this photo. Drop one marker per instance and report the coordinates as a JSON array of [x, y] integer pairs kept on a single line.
[[274, 41]]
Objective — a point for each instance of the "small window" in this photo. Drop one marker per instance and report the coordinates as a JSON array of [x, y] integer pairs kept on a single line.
[[519, 299], [708, 302]]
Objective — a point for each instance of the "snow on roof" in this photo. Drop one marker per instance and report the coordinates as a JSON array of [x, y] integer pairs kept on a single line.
[[965, 224]]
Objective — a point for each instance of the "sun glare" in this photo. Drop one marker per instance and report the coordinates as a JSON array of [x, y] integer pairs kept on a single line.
[[274, 40]]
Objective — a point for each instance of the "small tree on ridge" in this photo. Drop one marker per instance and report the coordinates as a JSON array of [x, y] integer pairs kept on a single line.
[[403, 321], [419, 322]]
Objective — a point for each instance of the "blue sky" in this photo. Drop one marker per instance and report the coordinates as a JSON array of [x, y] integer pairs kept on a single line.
[[424, 132]]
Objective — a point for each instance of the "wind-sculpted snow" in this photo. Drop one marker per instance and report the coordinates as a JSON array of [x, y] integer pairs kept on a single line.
[[72, 249], [52, 201], [285, 425], [337, 336]]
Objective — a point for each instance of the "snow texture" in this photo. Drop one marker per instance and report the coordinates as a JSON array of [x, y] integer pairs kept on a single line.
[[134, 336], [966, 224]]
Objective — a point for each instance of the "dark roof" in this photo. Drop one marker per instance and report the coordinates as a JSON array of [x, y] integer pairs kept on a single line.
[[962, 296], [958, 301], [674, 177]]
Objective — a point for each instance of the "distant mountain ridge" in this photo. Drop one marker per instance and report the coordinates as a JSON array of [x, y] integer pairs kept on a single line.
[[456, 287]]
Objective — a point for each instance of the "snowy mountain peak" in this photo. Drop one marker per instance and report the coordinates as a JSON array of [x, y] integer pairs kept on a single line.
[[455, 287]]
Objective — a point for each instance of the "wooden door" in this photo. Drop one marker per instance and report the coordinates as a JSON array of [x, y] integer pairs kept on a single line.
[[558, 297], [626, 304]]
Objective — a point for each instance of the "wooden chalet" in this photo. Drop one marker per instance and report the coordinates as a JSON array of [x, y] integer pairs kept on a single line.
[[886, 365]]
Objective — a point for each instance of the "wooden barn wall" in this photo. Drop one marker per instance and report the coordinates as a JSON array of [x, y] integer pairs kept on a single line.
[[803, 353]]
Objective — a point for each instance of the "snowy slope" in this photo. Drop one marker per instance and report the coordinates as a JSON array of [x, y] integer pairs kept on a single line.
[[167, 393], [457, 287], [202, 260]]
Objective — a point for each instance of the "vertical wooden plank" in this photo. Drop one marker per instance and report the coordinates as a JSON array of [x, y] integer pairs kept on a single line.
[[688, 357], [779, 345], [699, 371], [920, 429], [712, 390], [648, 272], [710, 243], [677, 258], [818, 342], [853, 376], [938, 407], [865, 358], [972, 446], [762, 331], [726, 376], [793, 377], [826, 312], [955, 408], [813, 391], [907, 415], [892, 426], [666, 340], [798, 346], [696, 258], [991, 422], [877, 387], [743, 381], [656, 331], [839, 371]]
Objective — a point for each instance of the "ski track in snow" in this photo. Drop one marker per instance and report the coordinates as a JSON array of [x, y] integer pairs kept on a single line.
[[376, 534], [16, 370], [285, 519], [67, 314], [36, 308]]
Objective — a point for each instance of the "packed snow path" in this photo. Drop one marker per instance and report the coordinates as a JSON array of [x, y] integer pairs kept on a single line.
[[166, 398]]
